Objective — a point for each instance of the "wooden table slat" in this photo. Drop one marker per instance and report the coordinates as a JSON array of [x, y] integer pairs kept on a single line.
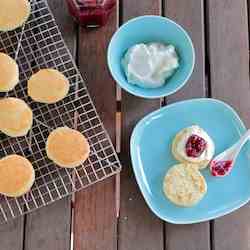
[[11, 234], [139, 228], [190, 14], [48, 228], [229, 60], [95, 222]]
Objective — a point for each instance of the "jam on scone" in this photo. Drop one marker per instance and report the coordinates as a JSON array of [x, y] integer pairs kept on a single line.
[[195, 146]]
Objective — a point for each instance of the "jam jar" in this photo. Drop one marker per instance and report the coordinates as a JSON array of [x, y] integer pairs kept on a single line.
[[91, 13]]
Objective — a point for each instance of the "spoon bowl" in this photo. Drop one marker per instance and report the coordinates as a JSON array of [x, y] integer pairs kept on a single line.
[[223, 163]]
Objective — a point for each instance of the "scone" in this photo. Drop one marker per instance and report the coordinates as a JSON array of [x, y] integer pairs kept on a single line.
[[48, 86], [17, 175], [13, 14], [16, 117], [193, 145], [184, 185], [67, 147], [9, 72]]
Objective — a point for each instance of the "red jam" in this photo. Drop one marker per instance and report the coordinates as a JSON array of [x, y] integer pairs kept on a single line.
[[220, 168], [195, 146], [91, 13]]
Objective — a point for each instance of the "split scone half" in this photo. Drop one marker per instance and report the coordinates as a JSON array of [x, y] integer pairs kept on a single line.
[[184, 185], [13, 13], [67, 148], [193, 145], [17, 175]]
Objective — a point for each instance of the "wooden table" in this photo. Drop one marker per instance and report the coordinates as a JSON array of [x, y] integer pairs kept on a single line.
[[219, 30]]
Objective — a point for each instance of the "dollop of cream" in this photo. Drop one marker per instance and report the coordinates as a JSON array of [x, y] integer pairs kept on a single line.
[[207, 154], [150, 65]]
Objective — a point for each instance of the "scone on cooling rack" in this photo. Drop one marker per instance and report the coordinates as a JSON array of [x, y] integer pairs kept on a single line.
[[17, 175], [9, 72], [48, 86], [16, 117], [193, 145], [67, 147], [184, 185], [13, 13]]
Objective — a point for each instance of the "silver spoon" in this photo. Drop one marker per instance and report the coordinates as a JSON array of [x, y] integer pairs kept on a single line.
[[223, 163]]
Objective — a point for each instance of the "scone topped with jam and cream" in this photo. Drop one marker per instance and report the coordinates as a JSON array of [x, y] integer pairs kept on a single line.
[[193, 145]]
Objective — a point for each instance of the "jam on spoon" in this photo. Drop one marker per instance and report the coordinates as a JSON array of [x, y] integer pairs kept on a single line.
[[223, 163], [221, 168], [195, 146]]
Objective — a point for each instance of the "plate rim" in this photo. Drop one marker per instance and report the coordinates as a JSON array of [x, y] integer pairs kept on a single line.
[[133, 144]]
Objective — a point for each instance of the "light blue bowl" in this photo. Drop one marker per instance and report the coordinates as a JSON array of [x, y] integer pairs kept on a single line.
[[151, 29]]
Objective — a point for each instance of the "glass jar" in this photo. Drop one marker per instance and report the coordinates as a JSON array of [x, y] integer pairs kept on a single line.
[[91, 13]]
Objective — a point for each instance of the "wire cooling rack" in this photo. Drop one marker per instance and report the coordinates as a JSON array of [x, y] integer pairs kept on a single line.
[[39, 44]]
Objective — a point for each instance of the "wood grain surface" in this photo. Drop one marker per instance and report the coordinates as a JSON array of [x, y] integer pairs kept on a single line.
[[49, 228], [190, 14], [11, 235], [229, 67], [95, 222], [139, 228]]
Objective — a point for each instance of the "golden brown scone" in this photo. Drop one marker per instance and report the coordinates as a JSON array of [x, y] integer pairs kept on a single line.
[[13, 14], [48, 86], [67, 147], [16, 117], [184, 185], [17, 175], [9, 73]]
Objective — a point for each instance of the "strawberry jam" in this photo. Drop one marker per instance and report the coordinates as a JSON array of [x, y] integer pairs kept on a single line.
[[91, 13], [220, 168], [195, 146]]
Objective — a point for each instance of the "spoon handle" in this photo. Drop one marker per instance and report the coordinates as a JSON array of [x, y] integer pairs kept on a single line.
[[238, 146]]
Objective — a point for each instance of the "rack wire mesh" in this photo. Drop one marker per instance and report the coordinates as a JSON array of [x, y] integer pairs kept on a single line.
[[39, 44]]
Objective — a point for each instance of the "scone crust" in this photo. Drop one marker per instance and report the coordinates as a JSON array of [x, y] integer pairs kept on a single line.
[[184, 185], [9, 73], [48, 86], [16, 117], [13, 14], [17, 175], [67, 147]]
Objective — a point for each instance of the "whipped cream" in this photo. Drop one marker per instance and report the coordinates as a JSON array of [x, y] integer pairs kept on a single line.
[[150, 65], [207, 154]]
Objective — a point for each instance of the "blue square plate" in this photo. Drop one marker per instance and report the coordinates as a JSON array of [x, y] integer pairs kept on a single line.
[[151, 158]]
